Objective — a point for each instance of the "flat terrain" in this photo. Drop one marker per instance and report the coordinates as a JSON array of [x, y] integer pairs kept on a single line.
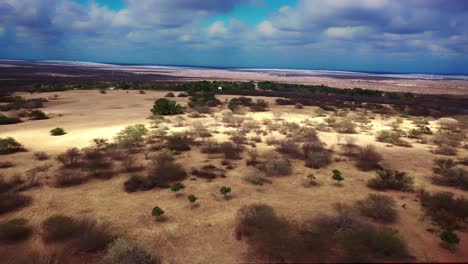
[[205, 234]]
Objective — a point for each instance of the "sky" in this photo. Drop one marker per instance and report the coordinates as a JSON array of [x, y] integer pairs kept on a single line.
[[417, 36]]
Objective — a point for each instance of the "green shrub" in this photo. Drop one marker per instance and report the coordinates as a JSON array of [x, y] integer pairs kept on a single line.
[[58, 131], [131, 136], [157, 212], [177, 187], [12, 201], [10, 145], [337, 176], [392, 137], [378, 207], [225, 190], [166, 107], [15, 230], [123, 251], [37, 115], [4, 120], [391, 179], [449, 237], [192, 198]]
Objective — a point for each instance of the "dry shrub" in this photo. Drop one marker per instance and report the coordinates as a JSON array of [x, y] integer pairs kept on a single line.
[[195, 114], [391, 180], [123, 251], [170, 94], [12, 201], [338, 238], [378, 207], [448, 175], [271, 164], [269, 237], [445, 210], [449, 138], [272, 141], [208, 172], [368, 158], [448, 123], [165, 171], [86, 235], [137, 183], [318, 159], [179, 142], [289, 147], [199, 130], [13, 183], [446, 150], [345, 126], [70, 158], [238, 138], [15, 230], [68, 178], [230, 150], [130, 164], [257, 179], [41, 155], [6, 164], [210, 146]]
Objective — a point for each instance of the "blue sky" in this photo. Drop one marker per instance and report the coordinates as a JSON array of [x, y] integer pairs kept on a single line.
[[429, 36]]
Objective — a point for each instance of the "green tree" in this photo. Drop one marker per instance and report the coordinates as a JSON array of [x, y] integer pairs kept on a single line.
[[157, 212], [164, 106], [131, 135]]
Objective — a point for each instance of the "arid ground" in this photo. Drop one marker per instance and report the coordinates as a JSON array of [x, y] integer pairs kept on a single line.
[[205, 234]]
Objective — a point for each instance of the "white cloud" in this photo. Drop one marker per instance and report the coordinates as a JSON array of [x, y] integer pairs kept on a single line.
[[267, 28], [347, 32], [218, 28]]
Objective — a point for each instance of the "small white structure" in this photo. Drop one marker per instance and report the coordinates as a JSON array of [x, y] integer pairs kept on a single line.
[[111, 88], [220, 88]]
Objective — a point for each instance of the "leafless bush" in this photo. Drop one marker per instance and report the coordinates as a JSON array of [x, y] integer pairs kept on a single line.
[[368, 158], [70, 158], [41, 155], [378, 207]]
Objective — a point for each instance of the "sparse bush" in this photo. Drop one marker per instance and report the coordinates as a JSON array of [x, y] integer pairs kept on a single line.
[[444, 209], [9, 145], [368, 158], [448, 138], [448, 123], [446, 150], [70, 158], [344, 125], [259, 106], [378, 207], [299, 106], [230, 150], [273, 165], [165, 171], [392, 137], [37, 115], [12, 201], [58, 131], [68, 178], [182, 95], [177, 187], [318, 159], [289, 147], [15, 230], [93, 236], [170, 94], [130, 164], [166, 107], [391, 179], [456, 177], [41, 155], [123, 251]]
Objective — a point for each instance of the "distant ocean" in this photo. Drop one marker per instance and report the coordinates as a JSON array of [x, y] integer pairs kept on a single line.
[[277, 71]]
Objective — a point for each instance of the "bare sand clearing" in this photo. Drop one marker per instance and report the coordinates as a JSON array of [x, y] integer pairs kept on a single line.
[[205, 234]]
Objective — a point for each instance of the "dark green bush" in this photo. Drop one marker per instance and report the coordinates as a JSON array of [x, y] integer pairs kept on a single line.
[[166, 107], [157, 212], [58, 228], [10, 145], [15, 230], [449, 237], [4, 120], [58, 131], [391, 179], [37, 115]]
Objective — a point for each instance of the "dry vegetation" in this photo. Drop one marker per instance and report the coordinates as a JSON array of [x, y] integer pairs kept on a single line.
[[249, 179]]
